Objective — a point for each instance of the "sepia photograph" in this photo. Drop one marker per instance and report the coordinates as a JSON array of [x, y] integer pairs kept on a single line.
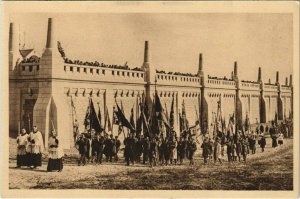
[[145, 100]]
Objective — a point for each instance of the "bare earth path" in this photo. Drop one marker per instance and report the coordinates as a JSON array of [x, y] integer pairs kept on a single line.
[[271, 170]]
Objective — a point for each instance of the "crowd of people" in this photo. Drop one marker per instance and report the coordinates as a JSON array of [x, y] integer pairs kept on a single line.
[[31, 59], [103, 65], [176, 73], [95, 148], [154, 150], [241, 144]]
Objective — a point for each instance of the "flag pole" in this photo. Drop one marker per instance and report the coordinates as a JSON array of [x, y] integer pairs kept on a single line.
[[72, 114], [90, 114], [29, 125], [19, 128]]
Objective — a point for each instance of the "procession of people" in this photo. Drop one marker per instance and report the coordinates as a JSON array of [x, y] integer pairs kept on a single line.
[[152, 139], [96, 148]]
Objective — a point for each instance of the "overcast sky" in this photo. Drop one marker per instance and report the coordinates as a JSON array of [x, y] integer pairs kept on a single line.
[[176, 40]]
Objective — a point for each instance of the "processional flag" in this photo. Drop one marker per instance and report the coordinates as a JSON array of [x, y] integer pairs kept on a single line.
[[172, 114], [91, 117], [139, 122], [276, 118], [132, 118], [247, 122], [122, 119], [107, 123], [74, 118], [185, 122], [99, 116], [159, 112], [145, 118]]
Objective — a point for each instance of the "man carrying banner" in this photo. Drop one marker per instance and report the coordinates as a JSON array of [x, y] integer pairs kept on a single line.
[[129, 143]]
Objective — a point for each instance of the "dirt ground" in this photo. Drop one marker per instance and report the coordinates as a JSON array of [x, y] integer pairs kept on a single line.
[[270, 170]]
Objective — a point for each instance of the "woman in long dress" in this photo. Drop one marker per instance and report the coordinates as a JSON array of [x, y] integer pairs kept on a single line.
[[22, 140], [55, 161], [35, 148]]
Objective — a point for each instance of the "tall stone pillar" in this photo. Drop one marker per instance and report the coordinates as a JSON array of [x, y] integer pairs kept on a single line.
[[50, 108], [292, 96], [14, 54], [279, 100], [14, 58], [262, 103], [203, 106], [238, 101], [150, 74]]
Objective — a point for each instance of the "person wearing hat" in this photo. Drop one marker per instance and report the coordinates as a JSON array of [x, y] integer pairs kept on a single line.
[[146, 150], [138, 149], [160, 150], [238, 149], [179, 150], [217, 150], [95, 148], [55, 155], [280, 138], [153, 152], [109, 148], [118, 145], [229, 144], [22, 140], [88, 137], [273, 132], [244, 150], [262, 142], [81, 145], [129, 143], [173, 149], [192, 147], [205, 149]]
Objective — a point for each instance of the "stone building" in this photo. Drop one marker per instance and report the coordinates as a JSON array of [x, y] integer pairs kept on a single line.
[[41, 91]]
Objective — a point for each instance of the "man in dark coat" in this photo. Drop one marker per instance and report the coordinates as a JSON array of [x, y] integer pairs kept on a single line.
[[244, 151], [118, 145], [108, 149], [261, 128], [272, 131], [88, 139], [81, 145], [181, 148], [113, 148], [205, 149], [146, 150], [95, 148], [238, 149], [171, 147], [192, 147], [100, 149], [129, 143], [153, 152], [262, 143], [160, 150], [138, 149], [229, 150], [166, 150]]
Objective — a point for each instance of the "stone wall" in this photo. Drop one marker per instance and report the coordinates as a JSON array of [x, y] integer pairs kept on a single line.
[[49, 86]]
